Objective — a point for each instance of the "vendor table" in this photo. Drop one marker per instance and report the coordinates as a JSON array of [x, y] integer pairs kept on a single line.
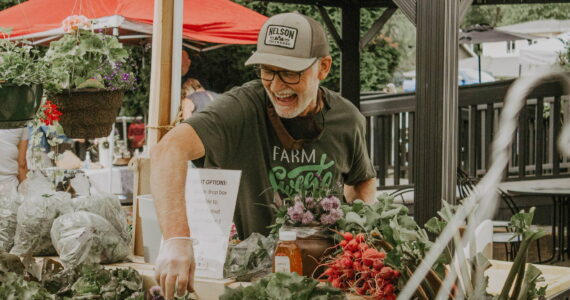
[[556, 278], [560, 215]]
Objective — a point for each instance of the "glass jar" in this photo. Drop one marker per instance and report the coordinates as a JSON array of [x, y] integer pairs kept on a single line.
[[287, 254]]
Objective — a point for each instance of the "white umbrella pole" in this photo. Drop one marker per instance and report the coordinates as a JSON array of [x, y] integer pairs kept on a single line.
[[111, 152]]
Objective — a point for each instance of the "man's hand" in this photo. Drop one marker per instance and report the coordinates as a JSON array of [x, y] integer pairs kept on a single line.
[[365, 191], [175, 267], [169, 164]]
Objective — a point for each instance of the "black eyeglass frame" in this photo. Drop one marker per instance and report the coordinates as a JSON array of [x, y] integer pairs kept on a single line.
[[299, 73]]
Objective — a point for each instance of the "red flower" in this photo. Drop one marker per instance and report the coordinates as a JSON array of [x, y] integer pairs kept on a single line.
[[50, 113]]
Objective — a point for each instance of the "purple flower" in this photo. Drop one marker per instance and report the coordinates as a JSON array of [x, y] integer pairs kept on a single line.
[[331, 218], [310, 202], [126, 76], [307, 218], [329, 203], [296, 212]]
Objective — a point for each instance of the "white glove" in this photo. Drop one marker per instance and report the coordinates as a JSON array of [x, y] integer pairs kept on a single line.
[[175, 267]]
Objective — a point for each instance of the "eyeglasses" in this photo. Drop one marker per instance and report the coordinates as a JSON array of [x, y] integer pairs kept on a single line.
[[289, 77]]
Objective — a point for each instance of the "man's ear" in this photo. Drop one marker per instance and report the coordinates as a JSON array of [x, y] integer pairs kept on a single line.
[[325, 64]]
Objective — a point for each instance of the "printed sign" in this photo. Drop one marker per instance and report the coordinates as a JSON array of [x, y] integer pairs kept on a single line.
[[281, 36], [210, 204]]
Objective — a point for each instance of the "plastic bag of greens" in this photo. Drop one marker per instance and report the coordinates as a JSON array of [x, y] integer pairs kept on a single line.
[[250, 258], [35, 184], [9, 202], [35, 217], [109, 207], [84, 237]]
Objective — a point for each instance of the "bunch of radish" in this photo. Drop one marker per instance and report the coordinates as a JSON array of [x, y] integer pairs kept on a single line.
[[360, 269]]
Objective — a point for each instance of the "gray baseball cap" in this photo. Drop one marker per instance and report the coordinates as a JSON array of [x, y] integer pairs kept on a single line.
[[290, 41]]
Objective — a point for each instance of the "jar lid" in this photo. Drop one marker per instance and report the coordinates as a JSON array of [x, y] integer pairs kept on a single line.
[[287, 235]]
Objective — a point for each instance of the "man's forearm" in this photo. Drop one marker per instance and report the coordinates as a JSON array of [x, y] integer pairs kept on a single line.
[[169, 164], [365, 191], [168, 175]]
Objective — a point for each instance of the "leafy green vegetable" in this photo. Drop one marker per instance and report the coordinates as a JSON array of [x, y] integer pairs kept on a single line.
[[13, 286], [284, 286], [83, 282], [250, 257]]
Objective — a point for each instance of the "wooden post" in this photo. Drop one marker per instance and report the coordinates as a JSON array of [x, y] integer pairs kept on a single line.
[[435, 164], [161, 81], [161, 71], [350, 56]]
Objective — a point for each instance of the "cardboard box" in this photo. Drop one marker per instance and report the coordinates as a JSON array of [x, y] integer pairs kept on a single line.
[[151, 235]]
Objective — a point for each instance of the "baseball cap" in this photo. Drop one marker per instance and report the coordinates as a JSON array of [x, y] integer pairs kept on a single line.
[[290, 41]]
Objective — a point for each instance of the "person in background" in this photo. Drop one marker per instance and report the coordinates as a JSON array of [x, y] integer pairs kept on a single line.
[[13, 147], [186, 62], [136, 134], [195, 97]]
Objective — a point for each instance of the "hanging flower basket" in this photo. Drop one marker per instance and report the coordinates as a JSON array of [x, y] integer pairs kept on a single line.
[[88, 113], [18, 104]]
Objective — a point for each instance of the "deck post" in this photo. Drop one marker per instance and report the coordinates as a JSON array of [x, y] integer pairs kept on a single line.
[[435, 131]]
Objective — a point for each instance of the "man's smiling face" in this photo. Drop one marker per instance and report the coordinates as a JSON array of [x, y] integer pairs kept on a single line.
[[293, 100]]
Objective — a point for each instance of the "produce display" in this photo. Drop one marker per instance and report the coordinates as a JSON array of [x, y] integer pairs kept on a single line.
[[359, 268], [376, 250], [90, 228]]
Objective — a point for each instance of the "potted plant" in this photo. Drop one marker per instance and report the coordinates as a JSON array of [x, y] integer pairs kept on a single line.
[[310, 212], [21, 75], [88, 78]]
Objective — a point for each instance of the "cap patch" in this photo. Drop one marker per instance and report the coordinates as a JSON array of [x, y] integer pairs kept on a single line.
[[281, 36]]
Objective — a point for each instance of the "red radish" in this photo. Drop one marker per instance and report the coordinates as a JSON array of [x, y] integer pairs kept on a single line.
[[389, 288], [336, 283], [347, 236], [378, 264], [386, 273], [360, 237], [347, 263], [352, 245]]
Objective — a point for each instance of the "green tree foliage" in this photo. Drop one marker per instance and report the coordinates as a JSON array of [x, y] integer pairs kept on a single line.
[[221, 69], [501, 15], [9, 3], [135, 102]]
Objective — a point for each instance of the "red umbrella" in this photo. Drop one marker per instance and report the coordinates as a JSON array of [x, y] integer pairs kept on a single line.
[[213, 21]]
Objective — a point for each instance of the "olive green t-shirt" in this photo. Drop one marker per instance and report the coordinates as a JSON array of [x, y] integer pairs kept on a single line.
[[238, 135]]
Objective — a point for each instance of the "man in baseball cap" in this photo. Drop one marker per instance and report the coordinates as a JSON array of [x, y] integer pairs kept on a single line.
[[285, 132]]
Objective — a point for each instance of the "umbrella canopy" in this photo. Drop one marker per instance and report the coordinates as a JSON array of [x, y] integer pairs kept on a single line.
[[545, 52], [479, 34], [213, 21]]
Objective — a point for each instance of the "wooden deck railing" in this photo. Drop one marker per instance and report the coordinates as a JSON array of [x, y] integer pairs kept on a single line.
[[534, 155]]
